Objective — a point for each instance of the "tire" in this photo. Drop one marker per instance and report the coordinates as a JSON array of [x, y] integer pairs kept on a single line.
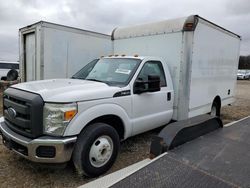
[[96, 149], [215, 109], [12, 75]]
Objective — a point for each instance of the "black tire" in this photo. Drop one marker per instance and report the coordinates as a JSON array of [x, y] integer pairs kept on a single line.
[[85, 141], [217, 107], [12, 75]]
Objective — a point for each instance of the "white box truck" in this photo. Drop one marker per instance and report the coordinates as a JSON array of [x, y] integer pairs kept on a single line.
[[202, 58], [186, 67], [49, 50]]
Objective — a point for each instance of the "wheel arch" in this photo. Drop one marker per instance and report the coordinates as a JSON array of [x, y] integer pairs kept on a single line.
[[217, 100], [111, 114], [217, 104], [112, 120]]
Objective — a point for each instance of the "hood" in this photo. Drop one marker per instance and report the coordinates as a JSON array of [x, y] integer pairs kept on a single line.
[[68, 90]]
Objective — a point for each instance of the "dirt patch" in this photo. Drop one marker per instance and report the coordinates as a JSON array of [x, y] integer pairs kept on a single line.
[[241, 107], [18, 172]]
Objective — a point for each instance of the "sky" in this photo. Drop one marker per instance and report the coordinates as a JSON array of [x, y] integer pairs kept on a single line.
[[105, 15]]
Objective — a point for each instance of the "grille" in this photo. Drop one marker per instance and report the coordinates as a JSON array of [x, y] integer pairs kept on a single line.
[[22, 118], [23, 112]]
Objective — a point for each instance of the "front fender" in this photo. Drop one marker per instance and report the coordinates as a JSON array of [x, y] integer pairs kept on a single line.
[[83, 118]]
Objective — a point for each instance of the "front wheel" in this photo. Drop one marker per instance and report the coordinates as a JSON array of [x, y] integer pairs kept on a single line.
[[96, 149]]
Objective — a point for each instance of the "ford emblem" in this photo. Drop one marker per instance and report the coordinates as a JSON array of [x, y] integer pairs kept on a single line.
[[11, 112]]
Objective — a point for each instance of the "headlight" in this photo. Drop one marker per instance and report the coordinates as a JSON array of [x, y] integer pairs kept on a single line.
[[56, 117]]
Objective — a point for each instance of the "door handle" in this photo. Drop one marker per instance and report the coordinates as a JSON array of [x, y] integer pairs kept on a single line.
[[169, 96]]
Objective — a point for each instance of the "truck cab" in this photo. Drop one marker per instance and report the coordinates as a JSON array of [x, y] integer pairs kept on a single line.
[[85, 118]]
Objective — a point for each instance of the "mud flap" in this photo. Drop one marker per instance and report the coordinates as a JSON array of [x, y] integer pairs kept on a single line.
[[180, 132]]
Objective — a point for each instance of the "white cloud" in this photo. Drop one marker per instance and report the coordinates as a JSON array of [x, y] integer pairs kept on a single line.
[[103, 16]]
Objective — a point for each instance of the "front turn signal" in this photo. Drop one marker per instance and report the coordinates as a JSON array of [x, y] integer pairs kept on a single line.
[[68, 115]]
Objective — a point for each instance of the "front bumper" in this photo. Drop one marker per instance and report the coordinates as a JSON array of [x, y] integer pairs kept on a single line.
[[59, 150], [241, 77]]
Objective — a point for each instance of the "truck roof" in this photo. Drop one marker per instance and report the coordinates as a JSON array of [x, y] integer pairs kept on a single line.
[[167, 26], [62, 27], [125, 56]]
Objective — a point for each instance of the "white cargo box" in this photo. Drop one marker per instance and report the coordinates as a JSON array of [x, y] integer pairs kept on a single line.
[[202, 58], [50, 50]]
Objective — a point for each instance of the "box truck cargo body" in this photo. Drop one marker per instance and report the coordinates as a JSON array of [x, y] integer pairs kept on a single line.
[[202, 58], [50, 50]]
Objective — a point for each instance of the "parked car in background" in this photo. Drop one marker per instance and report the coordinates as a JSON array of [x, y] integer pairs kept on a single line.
[[243, 74], [6, 66], [248, 74]]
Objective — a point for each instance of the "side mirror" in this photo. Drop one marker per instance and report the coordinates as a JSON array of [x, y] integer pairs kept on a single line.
[[139, 87], [152, 85]]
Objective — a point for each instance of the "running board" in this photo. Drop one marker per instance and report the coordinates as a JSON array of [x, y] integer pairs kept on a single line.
[[180, 132]]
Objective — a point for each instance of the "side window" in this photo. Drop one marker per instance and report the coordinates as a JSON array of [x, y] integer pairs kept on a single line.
[[9, 66], [152, 68]]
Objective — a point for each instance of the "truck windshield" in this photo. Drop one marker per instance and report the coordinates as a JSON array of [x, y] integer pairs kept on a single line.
[[112, 71]]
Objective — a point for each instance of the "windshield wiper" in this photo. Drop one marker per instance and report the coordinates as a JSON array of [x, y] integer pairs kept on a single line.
[[73, 77], [92, 79]]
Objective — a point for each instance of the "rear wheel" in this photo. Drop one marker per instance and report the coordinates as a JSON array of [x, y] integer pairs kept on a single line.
[[96, 149], [215, 110]]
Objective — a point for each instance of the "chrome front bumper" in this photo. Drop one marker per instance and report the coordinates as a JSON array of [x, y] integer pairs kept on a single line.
[[28, 148]]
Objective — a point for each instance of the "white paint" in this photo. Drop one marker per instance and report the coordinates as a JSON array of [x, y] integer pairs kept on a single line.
[[233, 122], [202, 63], [68, 90], [151, 110], [166, 26], [214, 67], [59, 51], [167, 47]]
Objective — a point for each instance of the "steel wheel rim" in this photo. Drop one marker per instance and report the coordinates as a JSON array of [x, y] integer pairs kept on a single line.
[[101, 151]]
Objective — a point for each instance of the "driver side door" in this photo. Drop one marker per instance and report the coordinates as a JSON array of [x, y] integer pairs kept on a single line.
[[151, 109]]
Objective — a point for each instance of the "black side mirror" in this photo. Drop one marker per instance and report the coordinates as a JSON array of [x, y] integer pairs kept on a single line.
[[152, 85], [139, 87]]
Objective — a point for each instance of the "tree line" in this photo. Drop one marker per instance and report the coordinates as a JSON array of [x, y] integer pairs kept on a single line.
[[244, 62]]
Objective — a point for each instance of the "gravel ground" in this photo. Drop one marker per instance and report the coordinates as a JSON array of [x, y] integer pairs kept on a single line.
[[18, 172]]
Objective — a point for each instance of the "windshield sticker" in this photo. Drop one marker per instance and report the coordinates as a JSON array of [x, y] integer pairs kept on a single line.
[[123, 71]]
